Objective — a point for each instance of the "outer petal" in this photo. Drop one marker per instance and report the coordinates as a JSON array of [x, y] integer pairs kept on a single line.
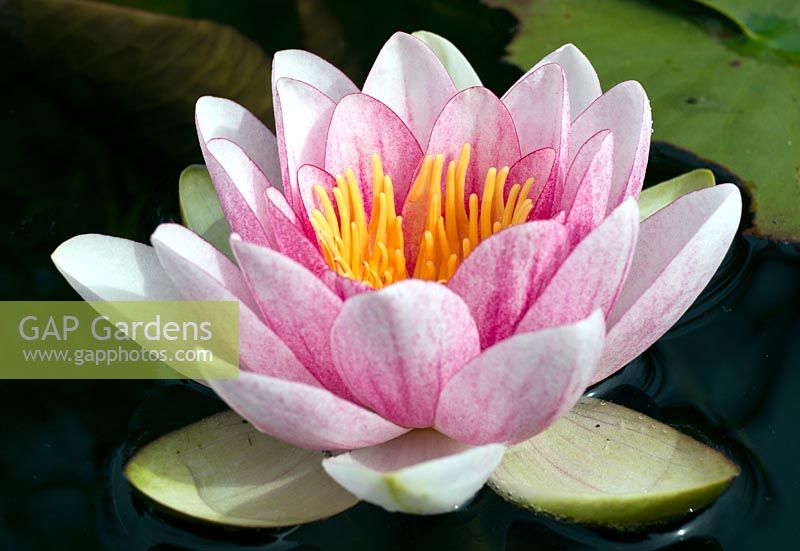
[[588, 181], [476, 116], [539, 165], [297, 306], [305, 115], [584, 86], [422, 472], [504, 275], [454, 62], [223, 118], [515, 389], [362, 126], [100, 267], [679, 249], [303, 415], [625, 110], [409, 78], [309, 68], [203, 273], [241, 189], [396, 348], [591, 277]]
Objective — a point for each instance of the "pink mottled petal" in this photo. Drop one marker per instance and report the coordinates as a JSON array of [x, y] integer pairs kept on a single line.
[[309, 176], [539, 165], [582, 81], [409, 79], [502, 277], [302, 119], [291, 240], [306, 416], [396, 348], [361, 126], [296, 305], [223, 118], [422, 472], [625, 111], [203, 273], [518, 387], [588, 183], [476, 116], [592, 275], [678, 251]]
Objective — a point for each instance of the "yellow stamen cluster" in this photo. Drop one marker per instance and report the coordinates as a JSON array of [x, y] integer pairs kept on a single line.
[[374, 253]]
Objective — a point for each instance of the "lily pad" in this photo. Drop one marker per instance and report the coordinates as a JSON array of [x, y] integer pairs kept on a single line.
[[200, 208], [223, 471], [605, 464], [656, 197], [727, 92]]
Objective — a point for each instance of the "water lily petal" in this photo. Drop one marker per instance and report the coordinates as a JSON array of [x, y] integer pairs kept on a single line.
[[101, 267], [582, 81], [476, 116], [305, 115], [223, 471], [588, 183], [203, 273], [456, 65], [311, 69], [290, 239], [502, 277], [539, 165], [409, 79], [361, 126], [625, 111], [591, 277], [296, 305], [309, 176], [223, 118], [396, 348], [421, 472], [678, 251], [306, 416], [518, 387]]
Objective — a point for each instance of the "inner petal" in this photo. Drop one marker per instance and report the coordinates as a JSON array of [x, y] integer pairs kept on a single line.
[[453, 225]]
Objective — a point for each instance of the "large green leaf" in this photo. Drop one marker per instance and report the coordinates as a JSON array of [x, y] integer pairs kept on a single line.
[[605, 464], [715, 90], [222, 470]]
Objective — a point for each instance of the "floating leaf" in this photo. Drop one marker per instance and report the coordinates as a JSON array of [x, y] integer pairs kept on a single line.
[[223, 471], [660, 195], [714, 91], [605, 464], [200, 208]]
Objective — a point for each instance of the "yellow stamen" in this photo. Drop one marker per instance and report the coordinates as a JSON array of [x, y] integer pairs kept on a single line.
[[449, 224]]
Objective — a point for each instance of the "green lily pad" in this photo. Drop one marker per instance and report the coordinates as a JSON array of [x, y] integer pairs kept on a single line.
[[200, 208], [221, 470], [723, 92], [605, 464], [656, 197]]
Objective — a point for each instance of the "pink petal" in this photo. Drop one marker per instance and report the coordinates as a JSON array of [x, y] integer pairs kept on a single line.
[[396, 348], [587, 186], [591, 276], [539, 165], [476, 116], [679, 249], [518, 387], [309, 176], [582, 81], [223, 118], [203, 273], [409, 79], [303, 415], [296, 305], [241, 188], [361, 126], [625, 111], [305, 115], [504, 275]]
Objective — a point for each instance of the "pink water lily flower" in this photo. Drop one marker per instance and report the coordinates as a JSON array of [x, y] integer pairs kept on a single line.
[[427, 273]]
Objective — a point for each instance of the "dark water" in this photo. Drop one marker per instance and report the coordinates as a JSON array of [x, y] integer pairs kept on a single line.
[[728, 373]]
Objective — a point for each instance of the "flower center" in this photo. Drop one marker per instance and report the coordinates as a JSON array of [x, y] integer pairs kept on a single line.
[[374, 253]]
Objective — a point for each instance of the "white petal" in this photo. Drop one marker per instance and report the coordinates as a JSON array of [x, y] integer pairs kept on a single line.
[[457, 66]]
